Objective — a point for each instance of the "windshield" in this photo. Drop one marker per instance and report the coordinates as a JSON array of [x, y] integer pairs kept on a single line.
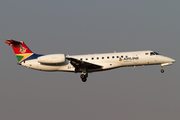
[[154, 53]]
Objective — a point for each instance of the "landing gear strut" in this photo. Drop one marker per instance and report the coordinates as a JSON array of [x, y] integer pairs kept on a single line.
[[162, 70]]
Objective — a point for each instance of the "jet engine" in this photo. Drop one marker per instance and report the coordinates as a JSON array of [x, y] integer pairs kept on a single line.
[[52, 59]]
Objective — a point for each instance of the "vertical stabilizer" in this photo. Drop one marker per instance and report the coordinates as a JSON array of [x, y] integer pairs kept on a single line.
[[20, 49]]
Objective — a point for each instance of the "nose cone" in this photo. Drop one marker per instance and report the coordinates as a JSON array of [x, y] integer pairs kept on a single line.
[[173, 61], [168, 60], [164, 59]]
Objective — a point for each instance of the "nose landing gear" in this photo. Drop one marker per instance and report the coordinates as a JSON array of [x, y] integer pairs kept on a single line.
[[162, 70], [165, 64]]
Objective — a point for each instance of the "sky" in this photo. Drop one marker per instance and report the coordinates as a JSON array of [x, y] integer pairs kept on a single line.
[[85, 27]]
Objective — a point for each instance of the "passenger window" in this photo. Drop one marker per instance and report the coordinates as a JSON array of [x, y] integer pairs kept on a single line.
[[121, 56], [81, 59], [92, 58], [113, 57], [97, 58], [117, 56], [86, 58], [107, 57], [102, 57]]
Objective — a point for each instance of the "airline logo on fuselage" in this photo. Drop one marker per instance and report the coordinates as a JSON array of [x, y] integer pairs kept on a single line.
[[128, 58]]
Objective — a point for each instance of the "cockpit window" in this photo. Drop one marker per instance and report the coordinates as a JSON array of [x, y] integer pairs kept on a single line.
[[154, 53]]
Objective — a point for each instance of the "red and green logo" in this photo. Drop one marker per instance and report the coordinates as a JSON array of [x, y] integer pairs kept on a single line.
[[120, 59], [20, 49]]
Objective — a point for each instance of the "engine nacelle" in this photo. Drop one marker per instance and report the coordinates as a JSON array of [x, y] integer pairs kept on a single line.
[[52, 59]]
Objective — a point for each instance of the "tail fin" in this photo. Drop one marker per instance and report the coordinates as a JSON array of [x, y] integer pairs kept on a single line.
[[20, 49]]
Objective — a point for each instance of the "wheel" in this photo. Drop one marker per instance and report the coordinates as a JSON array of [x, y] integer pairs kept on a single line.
[[84, 79], [162, 70], [82, 76]]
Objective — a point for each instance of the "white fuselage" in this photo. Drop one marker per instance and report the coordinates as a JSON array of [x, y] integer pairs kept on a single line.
[[106, 60]]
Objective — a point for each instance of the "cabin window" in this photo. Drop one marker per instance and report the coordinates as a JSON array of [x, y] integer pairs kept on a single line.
[[97, 58], [102, 57], [92, 58], [122, 56], [113, 57], [108, 57], [117, 56], [81, 59], [86, 58]]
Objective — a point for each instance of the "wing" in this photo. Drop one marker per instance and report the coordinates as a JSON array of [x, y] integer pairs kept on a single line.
[[79, 64]]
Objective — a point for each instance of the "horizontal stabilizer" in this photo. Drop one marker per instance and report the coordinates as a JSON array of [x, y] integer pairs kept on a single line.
[[12, 42]]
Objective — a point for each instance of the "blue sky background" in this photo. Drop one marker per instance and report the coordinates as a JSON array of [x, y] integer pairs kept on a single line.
[[87, 27]]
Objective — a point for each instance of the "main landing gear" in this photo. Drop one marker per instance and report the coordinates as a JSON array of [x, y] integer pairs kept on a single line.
[[84, 74], [84, 77]]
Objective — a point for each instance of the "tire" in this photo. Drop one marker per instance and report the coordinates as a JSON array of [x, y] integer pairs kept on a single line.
[[82, 76], [84, 79], [162, 70]]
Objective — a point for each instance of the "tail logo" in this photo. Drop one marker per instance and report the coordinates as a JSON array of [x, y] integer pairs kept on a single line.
[[22, 49]]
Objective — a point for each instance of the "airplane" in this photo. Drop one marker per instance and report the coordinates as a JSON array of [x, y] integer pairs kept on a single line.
[[85, 64]]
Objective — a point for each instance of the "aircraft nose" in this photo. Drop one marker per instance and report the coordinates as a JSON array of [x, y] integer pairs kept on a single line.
[[168, 59], [172, 60]]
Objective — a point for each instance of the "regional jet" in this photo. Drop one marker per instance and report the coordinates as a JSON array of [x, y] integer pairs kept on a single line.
[[85, 64]]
